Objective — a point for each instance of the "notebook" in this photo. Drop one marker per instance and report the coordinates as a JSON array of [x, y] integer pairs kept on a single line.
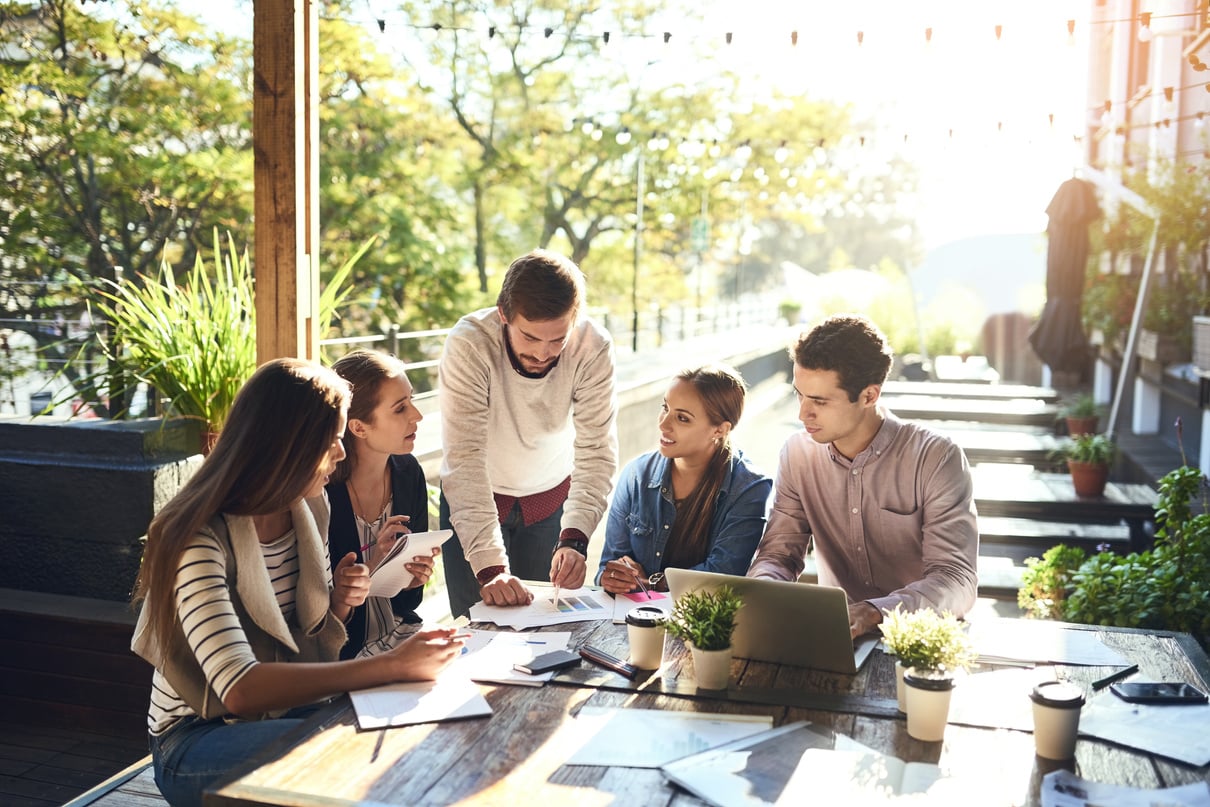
[[801, 624]]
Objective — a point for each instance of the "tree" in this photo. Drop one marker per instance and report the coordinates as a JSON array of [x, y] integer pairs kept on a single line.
[[121, 131]]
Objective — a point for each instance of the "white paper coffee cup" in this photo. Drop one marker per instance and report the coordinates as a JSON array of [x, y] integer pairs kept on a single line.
[[1056, 706], [645, 629]]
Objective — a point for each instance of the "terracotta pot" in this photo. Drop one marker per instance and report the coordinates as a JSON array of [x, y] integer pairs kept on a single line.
[[1087, 425], [209, 438], [1088, 478]]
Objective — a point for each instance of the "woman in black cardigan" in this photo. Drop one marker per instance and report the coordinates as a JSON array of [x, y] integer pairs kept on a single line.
[[379, 491]]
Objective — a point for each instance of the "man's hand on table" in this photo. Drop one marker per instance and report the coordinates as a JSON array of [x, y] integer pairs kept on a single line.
[[504, 589], [863, 618]]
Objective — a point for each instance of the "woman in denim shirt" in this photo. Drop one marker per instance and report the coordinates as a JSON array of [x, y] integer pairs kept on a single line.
[[696, 503]]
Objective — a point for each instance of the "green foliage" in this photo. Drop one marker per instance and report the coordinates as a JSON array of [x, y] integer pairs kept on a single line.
[[926, 639], [706, 618], [1164, 588], [193, 342], [1083, 406], [1046, 581], [1094, 449]]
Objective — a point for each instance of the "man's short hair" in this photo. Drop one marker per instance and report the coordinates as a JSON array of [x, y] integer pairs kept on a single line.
[[541, 286], [851, 346]]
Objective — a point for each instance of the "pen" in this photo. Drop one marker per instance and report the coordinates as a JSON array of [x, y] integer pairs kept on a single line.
[[1101, 683], [637, 579]]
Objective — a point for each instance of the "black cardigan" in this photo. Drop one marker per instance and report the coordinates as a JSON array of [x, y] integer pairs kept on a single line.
[[409, 497]]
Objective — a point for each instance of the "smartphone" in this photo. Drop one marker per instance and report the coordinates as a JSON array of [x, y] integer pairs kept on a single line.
[[1146, 692], [609, 662], [547, 662]]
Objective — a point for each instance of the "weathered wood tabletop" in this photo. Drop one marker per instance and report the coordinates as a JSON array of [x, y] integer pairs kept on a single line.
[[518, 755]]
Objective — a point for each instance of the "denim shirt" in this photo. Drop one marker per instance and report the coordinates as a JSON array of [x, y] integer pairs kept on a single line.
[[641, 516]]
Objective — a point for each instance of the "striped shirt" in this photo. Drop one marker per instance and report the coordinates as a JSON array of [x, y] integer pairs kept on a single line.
[[210, 624]]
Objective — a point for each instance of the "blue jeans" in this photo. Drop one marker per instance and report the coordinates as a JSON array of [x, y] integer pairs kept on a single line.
[[195, 753], [529, 550]]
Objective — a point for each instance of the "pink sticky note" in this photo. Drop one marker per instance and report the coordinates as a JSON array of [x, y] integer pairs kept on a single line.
[[638, 596]]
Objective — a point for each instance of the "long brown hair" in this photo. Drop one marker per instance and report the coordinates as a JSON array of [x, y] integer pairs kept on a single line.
[[365, 370], [722, 390], [282, 423]]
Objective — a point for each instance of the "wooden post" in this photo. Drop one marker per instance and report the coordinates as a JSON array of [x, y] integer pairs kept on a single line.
[[285, 134]]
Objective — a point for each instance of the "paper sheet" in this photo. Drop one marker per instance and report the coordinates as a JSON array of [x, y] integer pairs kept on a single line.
[[390, 576], [578, 605], [449, 698], [1177, 732], [490, 655], [649, 738], [622, 603], [1064, 789], [1040, 642]]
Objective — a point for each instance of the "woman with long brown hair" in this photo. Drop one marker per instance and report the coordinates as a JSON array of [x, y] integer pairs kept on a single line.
[[242, 617], [696, 502], [378, 491]]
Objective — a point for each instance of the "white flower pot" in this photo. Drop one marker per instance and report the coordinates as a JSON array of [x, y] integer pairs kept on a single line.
[[928, 703], [711, 668]]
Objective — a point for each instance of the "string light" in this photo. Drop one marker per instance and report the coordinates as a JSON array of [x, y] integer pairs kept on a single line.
[[999, 32], [928, 34], [794, 37], [728, 37], [860, 37], [1145, 26]]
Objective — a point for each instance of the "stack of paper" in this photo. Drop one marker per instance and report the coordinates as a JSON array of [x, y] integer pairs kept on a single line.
[[489, 656], [577, 605]]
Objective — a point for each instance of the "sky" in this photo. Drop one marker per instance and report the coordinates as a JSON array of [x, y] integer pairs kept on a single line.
[[973, 112]]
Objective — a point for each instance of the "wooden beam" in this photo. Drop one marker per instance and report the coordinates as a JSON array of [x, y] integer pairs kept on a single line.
[[285, 135]]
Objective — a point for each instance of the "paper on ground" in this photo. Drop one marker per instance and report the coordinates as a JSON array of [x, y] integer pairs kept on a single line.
[[578, 605], [649, 738], [449, 698], [391, 576], [490, 655]]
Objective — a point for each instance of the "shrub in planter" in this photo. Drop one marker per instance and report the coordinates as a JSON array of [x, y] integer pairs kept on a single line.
[[1164, 588], [1089, 457]]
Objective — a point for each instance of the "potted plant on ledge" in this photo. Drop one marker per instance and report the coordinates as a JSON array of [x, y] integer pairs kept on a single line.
[[1081, 415], [1089, 457], [929, 648], [705, 621]]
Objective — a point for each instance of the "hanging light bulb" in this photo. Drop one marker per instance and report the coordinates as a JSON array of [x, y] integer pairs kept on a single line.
[[1145, 32], [999, 32]]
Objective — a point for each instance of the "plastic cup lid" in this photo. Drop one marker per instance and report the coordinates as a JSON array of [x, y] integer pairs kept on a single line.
[[646, 616], [1058, 694], [928, 679]]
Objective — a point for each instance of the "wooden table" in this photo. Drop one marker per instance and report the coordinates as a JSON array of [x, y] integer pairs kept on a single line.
[[1014, 411], [959, 389], [517, 755]]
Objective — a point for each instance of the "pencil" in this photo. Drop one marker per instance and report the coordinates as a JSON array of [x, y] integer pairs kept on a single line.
[[1101, 683]]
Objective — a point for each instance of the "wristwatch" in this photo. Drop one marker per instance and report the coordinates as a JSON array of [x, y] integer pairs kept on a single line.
[[578, 544]]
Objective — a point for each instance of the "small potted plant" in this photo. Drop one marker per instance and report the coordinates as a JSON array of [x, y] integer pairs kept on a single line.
[[705, 621], [1082, 415], [1089, 457], [929, 647]]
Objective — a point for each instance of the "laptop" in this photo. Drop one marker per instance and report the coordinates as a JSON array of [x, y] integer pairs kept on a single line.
[[801, 624]]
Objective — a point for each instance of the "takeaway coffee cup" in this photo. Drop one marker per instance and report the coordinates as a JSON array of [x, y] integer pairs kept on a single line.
[[645, 629], [1057, 707]]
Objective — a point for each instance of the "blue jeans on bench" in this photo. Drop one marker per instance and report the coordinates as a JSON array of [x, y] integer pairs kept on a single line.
[[195, 753]]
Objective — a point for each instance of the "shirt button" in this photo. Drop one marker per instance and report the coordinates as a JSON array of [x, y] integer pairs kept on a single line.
[[665, 526], [855, 472], [657, 554], [854, 509]]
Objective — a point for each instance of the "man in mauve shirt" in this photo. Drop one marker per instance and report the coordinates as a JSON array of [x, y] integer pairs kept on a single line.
[[888, 502]]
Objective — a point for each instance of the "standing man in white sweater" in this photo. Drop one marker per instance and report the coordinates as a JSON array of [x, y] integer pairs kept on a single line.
[[529, 442]]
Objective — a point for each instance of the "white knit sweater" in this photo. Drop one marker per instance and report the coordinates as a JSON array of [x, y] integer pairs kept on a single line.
[[518, 436]]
